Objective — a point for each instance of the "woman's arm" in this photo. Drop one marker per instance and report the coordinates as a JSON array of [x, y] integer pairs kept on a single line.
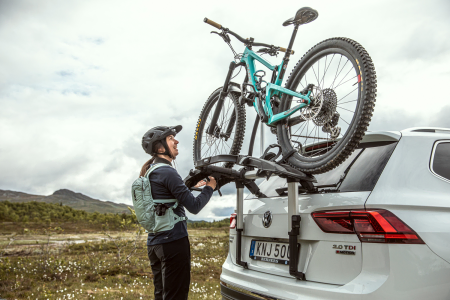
[[179, 190]]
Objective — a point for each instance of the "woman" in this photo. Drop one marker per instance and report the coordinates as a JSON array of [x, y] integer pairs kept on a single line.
[[169, 251]]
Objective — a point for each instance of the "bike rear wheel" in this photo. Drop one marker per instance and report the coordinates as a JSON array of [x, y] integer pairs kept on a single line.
[[229, 132], [325, 133]]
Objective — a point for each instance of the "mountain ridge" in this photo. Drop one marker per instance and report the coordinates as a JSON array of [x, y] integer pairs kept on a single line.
[[69, 198]]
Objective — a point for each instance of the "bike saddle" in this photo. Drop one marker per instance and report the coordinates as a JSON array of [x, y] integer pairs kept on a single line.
[[303, 16]]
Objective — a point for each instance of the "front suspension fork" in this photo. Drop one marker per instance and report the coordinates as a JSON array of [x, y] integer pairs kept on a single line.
[[212, 126]]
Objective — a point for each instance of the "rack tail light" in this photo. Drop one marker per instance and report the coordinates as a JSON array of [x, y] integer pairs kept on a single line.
[[233, 221], [371, 226]]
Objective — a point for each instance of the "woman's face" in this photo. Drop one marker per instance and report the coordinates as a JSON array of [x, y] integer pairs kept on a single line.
[[172, 143]]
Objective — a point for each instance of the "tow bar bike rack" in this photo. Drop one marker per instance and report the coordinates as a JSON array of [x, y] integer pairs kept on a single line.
[[252, 169]]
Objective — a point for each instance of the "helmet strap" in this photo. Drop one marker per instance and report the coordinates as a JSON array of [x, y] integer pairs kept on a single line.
[[166, 147]]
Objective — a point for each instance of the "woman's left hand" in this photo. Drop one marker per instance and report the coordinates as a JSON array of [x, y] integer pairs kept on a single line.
[[200, 183]]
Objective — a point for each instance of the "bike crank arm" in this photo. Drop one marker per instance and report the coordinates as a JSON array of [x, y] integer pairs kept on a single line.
[[212, 126]]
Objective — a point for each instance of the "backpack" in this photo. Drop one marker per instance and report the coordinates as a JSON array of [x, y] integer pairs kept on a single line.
[[146, 208]]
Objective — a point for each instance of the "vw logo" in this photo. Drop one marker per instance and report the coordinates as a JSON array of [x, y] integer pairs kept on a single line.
[[267, 219]]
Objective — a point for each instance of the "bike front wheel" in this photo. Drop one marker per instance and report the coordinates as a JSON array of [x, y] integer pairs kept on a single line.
[[229, 131], [326, 132]]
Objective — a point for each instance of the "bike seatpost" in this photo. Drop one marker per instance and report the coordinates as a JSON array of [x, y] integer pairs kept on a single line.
[[223, 93], [288, 51]]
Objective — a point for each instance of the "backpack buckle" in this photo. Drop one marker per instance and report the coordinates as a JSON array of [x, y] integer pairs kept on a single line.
[[161, 209]]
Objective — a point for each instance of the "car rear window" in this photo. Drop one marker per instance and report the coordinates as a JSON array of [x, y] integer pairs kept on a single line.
[[441, 160], [359, 172]]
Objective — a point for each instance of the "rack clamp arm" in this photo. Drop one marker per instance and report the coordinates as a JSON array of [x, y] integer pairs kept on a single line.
[[294, 249]]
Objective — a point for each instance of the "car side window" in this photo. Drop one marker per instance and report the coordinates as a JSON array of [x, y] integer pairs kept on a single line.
[[440, 164]]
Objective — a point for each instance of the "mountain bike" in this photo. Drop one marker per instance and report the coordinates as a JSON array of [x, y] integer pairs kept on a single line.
[[319, 117]]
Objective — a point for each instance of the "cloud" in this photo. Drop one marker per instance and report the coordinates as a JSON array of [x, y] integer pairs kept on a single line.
[[442, 118], [80, 85]]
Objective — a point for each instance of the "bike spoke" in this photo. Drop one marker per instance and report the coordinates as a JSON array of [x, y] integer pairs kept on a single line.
[[339, 84], [345, 109], [325, 72], [347, 95], [315, 74], [339, 73], [340, 59], [346, 81], [347, 101], [318, 72], [344, 120]]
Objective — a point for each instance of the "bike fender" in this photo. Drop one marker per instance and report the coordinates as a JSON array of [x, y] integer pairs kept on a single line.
[[234, 88]]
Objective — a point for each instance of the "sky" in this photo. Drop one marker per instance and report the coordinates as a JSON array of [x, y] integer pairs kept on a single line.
[[82, 81]]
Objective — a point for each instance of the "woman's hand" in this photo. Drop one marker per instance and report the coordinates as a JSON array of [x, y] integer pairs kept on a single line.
[[200, 183], [212, 182]]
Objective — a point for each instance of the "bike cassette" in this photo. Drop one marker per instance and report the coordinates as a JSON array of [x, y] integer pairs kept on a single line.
[[328, 117]]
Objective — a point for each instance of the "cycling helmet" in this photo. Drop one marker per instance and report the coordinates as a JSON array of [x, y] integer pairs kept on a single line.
[[159, 134]]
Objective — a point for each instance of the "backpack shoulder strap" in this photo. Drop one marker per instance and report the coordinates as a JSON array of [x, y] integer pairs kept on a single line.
[[154, 167], [147, 174]]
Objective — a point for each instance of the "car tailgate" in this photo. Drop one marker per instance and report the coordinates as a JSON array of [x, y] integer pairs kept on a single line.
[[318, 256]]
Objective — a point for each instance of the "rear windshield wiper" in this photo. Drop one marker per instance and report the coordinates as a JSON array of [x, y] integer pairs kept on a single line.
[[338, 184]]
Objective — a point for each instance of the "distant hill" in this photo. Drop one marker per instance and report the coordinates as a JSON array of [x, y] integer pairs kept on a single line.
[[69, 198]]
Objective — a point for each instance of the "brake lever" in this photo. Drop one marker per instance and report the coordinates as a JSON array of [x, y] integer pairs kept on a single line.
[[224, 36], [271, 51]]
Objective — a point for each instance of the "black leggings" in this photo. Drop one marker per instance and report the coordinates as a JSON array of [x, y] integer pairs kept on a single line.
[[171, 267]]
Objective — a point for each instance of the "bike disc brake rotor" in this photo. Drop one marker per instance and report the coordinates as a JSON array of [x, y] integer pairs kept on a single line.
[[311, 111], [212, 138]]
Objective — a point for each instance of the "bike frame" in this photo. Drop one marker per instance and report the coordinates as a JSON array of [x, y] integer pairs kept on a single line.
[[272, 89]]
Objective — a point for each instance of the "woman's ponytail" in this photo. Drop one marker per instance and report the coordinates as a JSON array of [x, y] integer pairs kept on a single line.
[[146, 166], [157, 146]]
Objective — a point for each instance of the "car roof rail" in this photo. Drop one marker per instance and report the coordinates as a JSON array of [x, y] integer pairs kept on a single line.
[[428, 129]]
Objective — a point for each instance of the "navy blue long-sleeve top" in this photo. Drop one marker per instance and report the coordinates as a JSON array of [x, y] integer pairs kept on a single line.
[[166, 183]]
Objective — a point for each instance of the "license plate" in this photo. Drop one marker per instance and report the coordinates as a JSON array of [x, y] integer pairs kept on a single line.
[[273, 252]]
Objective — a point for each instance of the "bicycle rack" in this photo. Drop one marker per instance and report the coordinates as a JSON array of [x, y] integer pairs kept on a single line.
[[254, 168]]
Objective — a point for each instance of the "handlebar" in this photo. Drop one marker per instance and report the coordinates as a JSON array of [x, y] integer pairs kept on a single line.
[[212, 23], [241, 39]]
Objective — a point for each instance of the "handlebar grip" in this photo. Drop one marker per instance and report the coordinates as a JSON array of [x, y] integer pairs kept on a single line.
[[284, 50], [212, 23]]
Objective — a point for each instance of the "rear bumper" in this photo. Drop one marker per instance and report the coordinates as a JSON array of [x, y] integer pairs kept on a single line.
[[232, 294], [389, 272]]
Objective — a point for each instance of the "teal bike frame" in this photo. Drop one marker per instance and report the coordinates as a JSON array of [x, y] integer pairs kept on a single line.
[[272, 89]]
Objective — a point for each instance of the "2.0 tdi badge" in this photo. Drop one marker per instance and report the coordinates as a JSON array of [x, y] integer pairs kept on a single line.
[[267, 219]]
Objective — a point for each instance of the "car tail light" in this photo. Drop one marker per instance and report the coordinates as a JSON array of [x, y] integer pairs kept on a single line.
[[371, 226], [233, 221]]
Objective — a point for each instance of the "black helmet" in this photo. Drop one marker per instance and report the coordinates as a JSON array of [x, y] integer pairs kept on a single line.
[[158, 133]]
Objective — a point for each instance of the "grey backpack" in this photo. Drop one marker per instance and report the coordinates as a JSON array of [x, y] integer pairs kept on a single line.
[[152, 219]]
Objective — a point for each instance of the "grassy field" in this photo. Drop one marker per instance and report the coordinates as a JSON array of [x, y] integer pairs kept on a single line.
[[52, 264]]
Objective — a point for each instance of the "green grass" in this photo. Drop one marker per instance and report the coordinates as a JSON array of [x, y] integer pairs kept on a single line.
[[95, 269]]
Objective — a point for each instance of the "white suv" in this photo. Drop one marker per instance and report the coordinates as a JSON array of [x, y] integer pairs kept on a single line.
[[377, 227]]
